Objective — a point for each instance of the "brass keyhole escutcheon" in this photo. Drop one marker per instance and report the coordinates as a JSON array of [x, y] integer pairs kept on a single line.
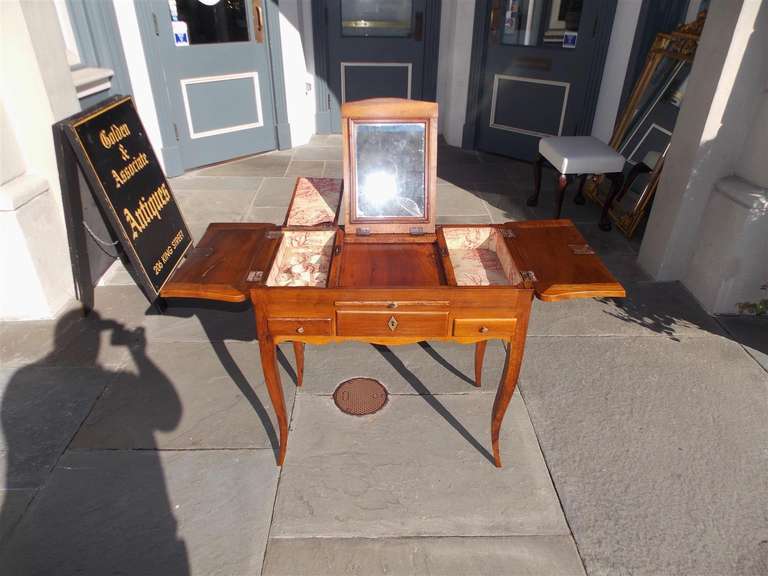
[[392, 324], [300, 329], [483, 330]]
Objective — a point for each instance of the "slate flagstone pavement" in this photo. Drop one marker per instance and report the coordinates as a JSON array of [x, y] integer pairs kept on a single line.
[[135, 443]]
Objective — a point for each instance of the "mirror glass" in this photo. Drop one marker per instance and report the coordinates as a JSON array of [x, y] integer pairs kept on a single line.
[[659, 102], [647, 138], [390, 170]]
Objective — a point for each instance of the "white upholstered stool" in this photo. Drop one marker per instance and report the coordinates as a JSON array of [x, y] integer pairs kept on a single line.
[[576, 155]]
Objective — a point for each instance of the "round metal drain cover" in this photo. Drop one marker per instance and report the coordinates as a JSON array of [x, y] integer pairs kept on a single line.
[[360, 396]]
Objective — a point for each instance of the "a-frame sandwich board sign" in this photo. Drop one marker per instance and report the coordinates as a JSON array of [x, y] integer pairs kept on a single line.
[[120, 167]]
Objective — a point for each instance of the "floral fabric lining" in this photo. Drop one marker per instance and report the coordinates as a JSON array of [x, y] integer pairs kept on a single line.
[[303, 259], [315, 201], [480, 257]]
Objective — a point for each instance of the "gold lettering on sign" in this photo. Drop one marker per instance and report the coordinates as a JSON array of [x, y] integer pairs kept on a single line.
[[131, 169], [114, 135], [147, 210]]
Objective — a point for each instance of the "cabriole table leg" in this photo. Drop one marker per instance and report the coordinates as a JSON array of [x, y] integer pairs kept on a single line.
[[274, 387], [298, 352], [479, 357], [506, 389]]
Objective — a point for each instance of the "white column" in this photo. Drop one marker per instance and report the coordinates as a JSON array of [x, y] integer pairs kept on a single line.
[[135, 61], [721, 103], [456, 26], [298, 65], [615, 70], [36, 90]]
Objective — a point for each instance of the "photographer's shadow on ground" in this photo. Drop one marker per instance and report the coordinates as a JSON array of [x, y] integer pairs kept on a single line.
[[92, 511], [218, 322]]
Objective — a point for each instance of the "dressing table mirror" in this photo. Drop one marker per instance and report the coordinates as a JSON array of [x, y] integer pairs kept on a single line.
[[390, 160]]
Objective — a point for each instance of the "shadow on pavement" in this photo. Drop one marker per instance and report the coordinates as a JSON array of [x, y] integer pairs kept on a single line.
[[76, 524], [430, 399]]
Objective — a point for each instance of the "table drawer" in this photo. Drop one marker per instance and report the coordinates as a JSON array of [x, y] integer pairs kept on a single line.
[[370, 323], [303, 326], [490, 327]]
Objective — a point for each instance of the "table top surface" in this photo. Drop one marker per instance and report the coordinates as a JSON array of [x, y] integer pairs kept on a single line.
[[234, 258]]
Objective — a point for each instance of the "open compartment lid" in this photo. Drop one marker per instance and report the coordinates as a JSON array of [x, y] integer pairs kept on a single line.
[[228, 260], [315, 202], [555, 258], [390, 166]]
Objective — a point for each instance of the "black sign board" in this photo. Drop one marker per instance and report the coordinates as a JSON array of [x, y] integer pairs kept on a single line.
[[123, 173]]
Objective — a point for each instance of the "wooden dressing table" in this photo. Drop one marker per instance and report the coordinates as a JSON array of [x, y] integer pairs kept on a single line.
[[389, 275]]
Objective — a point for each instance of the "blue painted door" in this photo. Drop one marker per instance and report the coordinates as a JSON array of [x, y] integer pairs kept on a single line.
[[539, 64], [376, 48], [216, 63]]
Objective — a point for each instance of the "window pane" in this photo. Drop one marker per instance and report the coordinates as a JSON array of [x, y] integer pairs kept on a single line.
[[536, 22], [376, 17], [563, 23], [209, 21], [522, 22], [389, 170]]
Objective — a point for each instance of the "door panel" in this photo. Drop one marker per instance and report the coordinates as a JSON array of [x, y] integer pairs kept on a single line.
[[218, 78], [537, 64], [205, 115], [376, 48], [528, 105], [360, 80]]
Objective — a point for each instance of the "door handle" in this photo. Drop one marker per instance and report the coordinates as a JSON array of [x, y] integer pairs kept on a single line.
[[418, 32], [258, 21]]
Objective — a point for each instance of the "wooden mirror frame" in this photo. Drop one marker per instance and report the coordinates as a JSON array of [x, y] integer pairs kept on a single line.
[[394, 110], [678, 45]]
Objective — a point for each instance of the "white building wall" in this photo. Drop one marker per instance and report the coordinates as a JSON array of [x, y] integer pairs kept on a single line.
[[456, 27], [615, 71], [753, 162], [37, 90], [722, 103], [135, 59], [298, 68]]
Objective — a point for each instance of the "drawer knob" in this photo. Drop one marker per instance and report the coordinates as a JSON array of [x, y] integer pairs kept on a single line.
[[392, 305], [483, 329], [300, 329]]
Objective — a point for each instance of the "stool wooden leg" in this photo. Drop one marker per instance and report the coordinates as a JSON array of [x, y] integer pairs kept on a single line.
[[617, 182], [579, 198], [562, 184], [534, 199]]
